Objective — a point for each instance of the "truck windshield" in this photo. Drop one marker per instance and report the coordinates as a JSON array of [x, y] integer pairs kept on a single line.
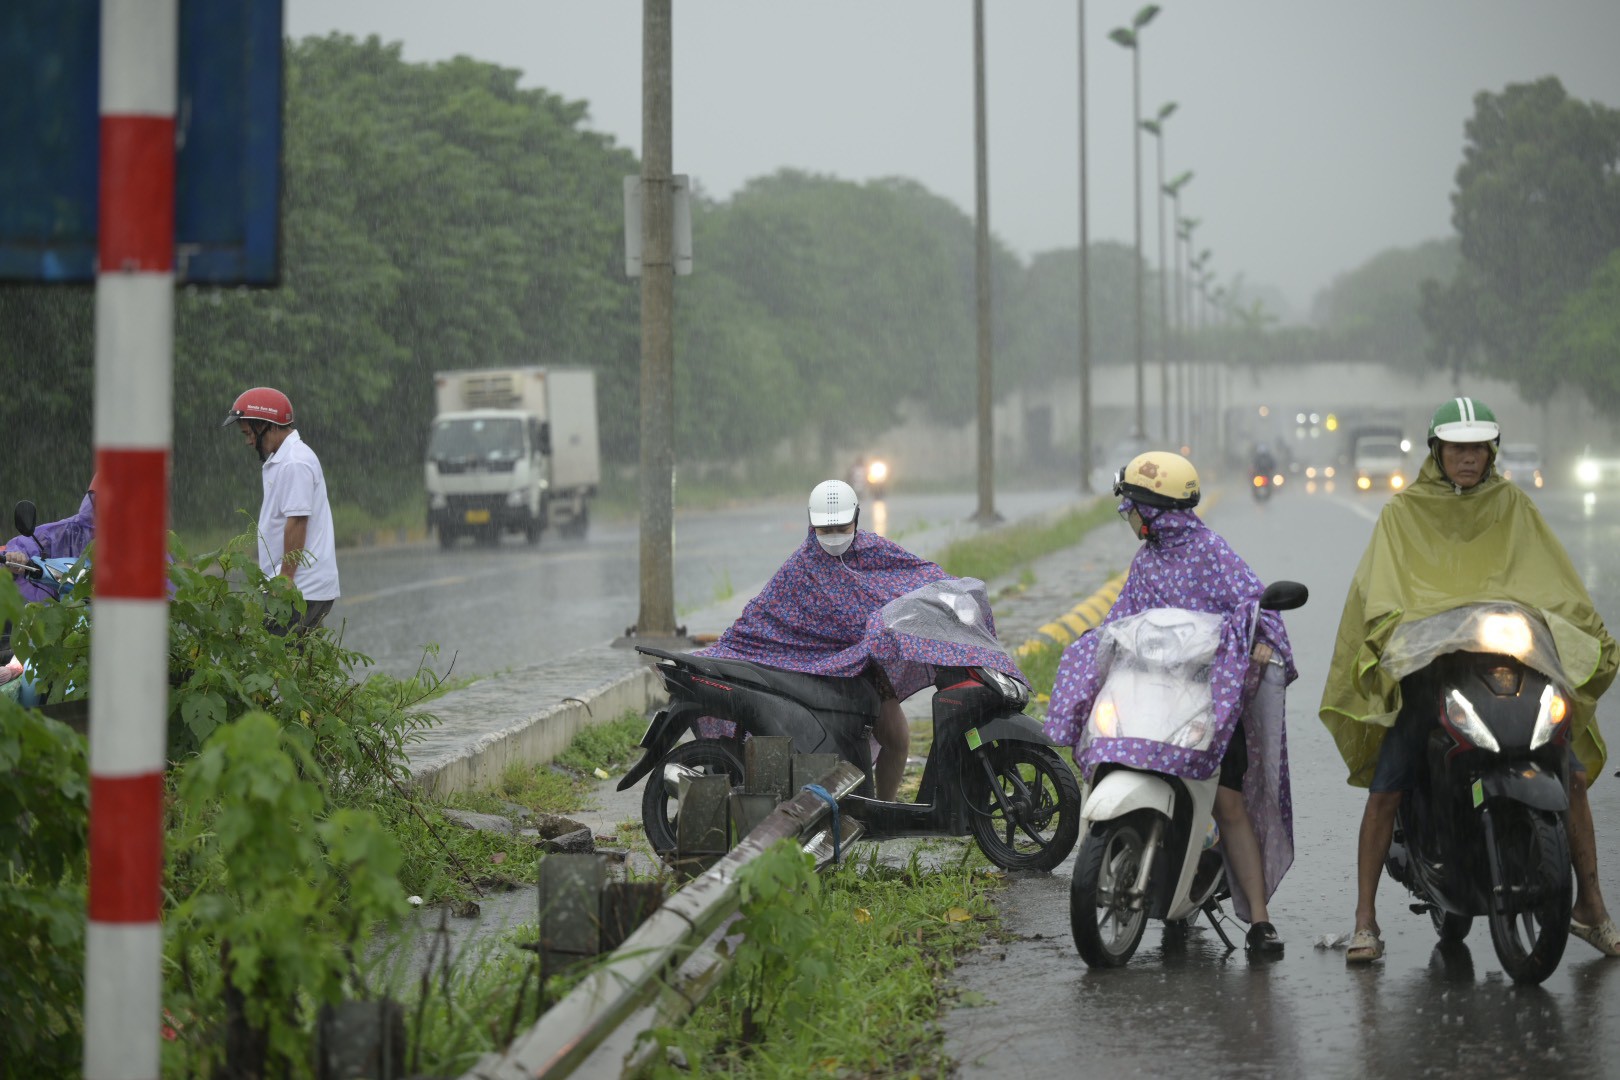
[[476, 437], [1378, 448]]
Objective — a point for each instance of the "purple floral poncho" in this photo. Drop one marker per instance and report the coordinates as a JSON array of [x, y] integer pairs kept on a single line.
[[1185, 564], [821, 614]]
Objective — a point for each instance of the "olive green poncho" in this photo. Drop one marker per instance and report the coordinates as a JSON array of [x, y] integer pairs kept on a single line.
[[1436, 548]]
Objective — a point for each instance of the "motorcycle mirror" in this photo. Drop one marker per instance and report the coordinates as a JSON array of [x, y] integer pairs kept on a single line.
[[1284, 596], [25, 517]]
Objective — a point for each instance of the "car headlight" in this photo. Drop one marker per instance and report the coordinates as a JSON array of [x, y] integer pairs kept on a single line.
[[1505, 633], [437, 501], [1587, 471], [1467, 724], [1553, 710], [1396, 481], [877, 472], [1005, 685]]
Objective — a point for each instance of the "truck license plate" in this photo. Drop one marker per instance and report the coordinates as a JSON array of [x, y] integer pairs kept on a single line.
[[478, 517]]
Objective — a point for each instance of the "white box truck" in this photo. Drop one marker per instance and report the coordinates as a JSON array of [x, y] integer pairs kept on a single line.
[[512, 450]]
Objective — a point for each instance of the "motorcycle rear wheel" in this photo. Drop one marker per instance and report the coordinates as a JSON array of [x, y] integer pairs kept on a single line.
[[1106, 928], [1034, 825], [1533, 847], [659, 807]]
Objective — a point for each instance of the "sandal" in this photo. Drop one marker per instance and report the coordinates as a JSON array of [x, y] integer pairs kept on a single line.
[[1604, 936], [1263, 940], [1365, 947]]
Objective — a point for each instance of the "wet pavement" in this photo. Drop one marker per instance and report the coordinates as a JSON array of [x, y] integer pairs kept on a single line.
[[1185, 1007]]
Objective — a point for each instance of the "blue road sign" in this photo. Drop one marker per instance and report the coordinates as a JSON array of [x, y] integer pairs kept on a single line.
[[227, 135]]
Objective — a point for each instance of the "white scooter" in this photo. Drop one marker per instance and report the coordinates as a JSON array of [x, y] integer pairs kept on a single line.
[[1149, 847]]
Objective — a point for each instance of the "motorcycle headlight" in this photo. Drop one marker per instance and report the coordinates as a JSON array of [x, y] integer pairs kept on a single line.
[[1587, 471], [877, 472], [1466, 722], [1553, 710], [1505, 633], [1105, 718], [1005, 685]]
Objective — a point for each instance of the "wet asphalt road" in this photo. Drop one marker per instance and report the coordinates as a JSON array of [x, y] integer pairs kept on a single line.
[[1187, 1008], [513, 605]]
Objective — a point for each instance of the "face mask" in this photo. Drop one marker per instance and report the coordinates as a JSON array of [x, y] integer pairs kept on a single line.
[[835, 544]]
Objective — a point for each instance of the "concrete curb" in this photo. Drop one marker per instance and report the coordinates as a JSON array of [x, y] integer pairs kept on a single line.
[[1077, 620], [539, 736]]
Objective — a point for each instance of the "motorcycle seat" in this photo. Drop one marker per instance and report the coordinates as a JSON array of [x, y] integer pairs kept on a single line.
[[819, 693]]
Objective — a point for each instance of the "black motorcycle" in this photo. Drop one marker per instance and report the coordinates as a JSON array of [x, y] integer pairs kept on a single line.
[[1262, 486], [1482, 833], [990, 771]]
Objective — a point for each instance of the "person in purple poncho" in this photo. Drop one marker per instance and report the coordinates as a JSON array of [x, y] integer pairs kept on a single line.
[[65, 539], [812, 616], [1183, 563]]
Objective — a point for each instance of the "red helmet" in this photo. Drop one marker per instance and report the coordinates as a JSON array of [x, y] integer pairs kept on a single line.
[[261, 403]]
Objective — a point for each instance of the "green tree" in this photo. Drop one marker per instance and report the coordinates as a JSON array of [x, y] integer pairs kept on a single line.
[[1537, 211], [1375, 311]]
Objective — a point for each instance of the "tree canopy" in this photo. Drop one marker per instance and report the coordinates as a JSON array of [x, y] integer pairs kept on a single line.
[[442, 216], [1537, 214]]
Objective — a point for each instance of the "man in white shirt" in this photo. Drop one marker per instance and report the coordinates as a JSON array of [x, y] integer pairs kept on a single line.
[[295, 519]]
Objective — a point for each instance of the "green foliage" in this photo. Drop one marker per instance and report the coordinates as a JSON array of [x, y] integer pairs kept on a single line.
[[281, 887], [1583, 341], [225, 662], [1000, 551], [1374, 312], [859, 971], [44, 808], [1537, 213]]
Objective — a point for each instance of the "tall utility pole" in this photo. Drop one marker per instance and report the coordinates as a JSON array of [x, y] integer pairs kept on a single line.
[[1131, 39], [987, 508], [1156, 127], [1085, 279], [657, 617]]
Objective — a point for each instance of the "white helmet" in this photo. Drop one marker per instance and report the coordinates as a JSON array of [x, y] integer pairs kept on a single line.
[[833, 502]]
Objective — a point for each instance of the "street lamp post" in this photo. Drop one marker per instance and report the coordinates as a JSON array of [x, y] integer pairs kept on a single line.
[[986, 514], [1131, 39], [1155, 127], [1085, 279], [1173, 190]]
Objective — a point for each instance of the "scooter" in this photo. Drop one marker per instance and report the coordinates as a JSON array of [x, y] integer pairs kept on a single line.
[[1483, 833], [54, 577], [990, 771], [1149, 849]]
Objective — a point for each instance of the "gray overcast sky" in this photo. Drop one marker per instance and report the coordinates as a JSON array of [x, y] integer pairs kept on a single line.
[[1321, 131]]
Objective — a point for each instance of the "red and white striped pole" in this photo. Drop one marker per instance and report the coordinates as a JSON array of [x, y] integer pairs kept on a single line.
[[130, 636]]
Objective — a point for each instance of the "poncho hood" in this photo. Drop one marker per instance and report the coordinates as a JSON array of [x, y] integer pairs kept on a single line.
[[1435, 548]]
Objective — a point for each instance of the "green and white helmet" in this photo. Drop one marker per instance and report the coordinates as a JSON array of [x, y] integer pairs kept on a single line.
[[1464, 420]]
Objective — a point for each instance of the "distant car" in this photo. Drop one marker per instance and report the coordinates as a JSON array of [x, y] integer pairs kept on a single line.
[[1520, 463]]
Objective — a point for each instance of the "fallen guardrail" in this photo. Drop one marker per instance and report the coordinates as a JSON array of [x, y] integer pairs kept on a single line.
[[668, 964]]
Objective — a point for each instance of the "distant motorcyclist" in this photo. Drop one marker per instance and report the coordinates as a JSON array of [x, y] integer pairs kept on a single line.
[[1185, 564], [1458, 534], [1264, 462], [64, 539]]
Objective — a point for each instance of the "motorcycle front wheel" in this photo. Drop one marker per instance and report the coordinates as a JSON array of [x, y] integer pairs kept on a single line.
[[1030, 818], [660, 807], [1533, 851], [1107, 925]]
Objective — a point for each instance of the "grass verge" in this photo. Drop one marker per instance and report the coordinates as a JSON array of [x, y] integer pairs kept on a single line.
[[843, 974], [998, 552]]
